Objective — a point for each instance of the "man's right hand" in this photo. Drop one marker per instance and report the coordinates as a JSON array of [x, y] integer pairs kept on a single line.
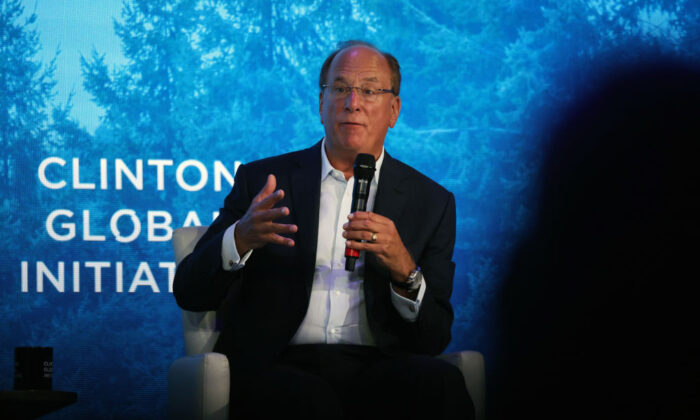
[[256, 228]]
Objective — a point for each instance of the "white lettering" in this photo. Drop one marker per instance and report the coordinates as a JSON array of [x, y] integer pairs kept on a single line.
[[86, 229], [76, 276], [160, 164], [120, 276], [25, 276], [164, 226], [159, 225], [103, 174], [77, 185], [70, 227], [42, 173], [220, 170], [134, 220], [120, 169], [96, 269], [203, 175], [42, 270], [195, 181], [98, 266], [138, 281]]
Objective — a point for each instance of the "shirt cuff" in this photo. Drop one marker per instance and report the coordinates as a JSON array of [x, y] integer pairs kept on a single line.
[[230, 259], [407, 308]]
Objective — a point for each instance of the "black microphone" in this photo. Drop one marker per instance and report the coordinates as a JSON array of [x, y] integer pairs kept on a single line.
[[363, 171]]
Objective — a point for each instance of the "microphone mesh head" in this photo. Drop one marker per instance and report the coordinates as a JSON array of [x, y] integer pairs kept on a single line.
[[364, 166]]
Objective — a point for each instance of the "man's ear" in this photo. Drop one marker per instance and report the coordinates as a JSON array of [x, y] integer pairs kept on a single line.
[[395, 110]]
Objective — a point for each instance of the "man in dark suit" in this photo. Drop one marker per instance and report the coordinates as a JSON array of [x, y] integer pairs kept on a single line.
[[302, 334]]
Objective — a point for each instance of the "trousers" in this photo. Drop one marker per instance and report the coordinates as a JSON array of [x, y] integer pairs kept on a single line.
[[338, 381]]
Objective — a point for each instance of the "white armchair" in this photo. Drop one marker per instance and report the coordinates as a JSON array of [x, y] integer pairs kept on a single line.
[[198, 383]]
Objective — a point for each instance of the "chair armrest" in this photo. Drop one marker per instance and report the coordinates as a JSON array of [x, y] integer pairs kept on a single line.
[[198, 387], [471, 364]]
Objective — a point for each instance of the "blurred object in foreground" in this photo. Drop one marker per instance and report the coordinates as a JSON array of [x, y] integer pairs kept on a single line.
[[599, 315]]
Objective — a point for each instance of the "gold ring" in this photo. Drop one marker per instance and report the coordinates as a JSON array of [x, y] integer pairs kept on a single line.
[[374, 237]]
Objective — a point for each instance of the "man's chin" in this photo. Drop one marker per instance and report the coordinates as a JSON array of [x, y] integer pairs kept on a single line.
[[352, 145]]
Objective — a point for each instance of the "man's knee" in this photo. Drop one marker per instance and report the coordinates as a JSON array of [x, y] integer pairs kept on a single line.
[[426, 371], [434, 387], [280, 391]]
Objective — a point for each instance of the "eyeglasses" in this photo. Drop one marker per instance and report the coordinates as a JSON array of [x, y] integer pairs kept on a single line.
[[368, 94]]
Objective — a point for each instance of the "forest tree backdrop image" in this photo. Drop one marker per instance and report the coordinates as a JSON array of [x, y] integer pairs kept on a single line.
[[123, 120]]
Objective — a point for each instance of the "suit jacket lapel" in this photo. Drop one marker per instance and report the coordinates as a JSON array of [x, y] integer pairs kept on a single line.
[[391, 191], [305, 190]]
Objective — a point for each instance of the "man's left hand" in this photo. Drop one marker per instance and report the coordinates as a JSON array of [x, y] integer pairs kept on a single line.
[[387, 246]]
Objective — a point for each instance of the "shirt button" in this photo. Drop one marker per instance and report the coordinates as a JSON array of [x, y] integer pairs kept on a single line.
[[333, 330], [337, 293], [230, 263]]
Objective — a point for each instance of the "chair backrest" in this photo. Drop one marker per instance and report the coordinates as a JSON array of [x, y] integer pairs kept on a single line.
[[199, 328]]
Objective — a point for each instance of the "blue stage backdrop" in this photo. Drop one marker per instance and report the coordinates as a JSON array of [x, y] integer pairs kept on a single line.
[[123, 120]]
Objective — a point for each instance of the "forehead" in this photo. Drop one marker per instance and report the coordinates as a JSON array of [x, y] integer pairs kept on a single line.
[[359, 64]]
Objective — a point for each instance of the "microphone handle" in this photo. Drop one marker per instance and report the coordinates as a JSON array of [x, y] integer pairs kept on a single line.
[[359, 203]]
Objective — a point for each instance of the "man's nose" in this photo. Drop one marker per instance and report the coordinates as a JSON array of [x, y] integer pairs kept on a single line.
[[352, 101]]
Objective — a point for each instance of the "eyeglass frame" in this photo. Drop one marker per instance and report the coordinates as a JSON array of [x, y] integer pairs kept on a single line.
[[349, 89]]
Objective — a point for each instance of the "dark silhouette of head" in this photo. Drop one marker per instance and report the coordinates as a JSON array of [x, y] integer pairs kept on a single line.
[[599, 316]]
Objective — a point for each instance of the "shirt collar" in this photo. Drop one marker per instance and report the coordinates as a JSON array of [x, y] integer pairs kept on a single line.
[[326, 166]]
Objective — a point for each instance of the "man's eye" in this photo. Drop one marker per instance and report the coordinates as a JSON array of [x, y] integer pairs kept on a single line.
[[368, 92], [339, 89]]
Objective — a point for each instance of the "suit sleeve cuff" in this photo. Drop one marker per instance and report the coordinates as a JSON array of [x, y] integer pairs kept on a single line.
[[407, 308], [230, 259]]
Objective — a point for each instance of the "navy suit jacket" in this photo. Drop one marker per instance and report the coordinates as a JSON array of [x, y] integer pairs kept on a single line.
[[262, 305]]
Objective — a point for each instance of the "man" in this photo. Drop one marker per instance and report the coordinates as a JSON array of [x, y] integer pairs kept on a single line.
[[302, 334]]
